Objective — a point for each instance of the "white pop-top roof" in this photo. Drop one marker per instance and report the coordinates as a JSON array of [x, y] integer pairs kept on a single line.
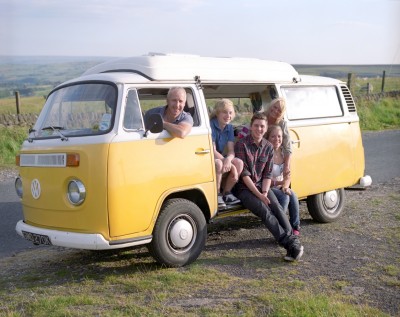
[[162, 67]]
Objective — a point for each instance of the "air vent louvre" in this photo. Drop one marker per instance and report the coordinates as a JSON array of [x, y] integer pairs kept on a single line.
[[349, 99]]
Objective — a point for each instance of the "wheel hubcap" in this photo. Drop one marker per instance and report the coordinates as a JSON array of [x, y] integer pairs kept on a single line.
[[331, 199], [181, 233]]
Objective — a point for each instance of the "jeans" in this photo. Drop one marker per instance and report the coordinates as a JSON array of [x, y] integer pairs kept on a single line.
[[272, 216], [290, 202]]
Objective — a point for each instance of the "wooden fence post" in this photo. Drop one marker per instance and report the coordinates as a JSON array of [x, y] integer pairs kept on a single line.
[[17, 101], [349, 80], [383, 81]]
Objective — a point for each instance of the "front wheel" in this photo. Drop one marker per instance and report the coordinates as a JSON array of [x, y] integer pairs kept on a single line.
[[180, 233], [326, 207]]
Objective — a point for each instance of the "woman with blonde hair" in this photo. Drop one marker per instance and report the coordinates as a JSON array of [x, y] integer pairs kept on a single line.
[[275, 113]]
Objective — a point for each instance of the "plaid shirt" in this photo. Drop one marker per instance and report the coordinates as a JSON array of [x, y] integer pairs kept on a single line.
[[257, 160]]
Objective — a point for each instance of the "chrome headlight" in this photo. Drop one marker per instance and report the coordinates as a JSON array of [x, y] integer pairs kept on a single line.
[[18, 187], [76, 192]]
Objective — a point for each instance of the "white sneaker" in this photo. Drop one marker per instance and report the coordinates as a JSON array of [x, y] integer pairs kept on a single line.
[[221, 203], [294, 253]]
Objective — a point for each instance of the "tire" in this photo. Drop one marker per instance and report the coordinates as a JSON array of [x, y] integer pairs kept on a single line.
[[326, 207], [179, 234]]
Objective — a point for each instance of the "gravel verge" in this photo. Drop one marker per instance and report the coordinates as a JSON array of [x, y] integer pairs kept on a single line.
[[358, 255], [8, 173]]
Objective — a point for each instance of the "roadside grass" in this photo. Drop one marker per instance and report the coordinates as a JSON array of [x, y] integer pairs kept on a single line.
[[149, 290], [11, 139], [32, 104], [359, 83], [379, 115]]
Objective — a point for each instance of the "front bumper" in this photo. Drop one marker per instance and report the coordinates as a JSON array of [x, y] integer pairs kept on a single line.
[[85, 241]]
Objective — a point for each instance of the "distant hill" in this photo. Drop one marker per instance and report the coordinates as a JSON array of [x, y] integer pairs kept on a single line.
[[342, 71], [35, 60], [43, 70], [34, 70], [37, 75]]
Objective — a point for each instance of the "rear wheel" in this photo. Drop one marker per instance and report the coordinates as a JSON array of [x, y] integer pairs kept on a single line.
[[326, 207], [180, 233]]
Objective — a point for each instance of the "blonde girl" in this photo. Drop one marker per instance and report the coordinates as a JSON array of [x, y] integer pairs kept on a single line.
[[226, 164]]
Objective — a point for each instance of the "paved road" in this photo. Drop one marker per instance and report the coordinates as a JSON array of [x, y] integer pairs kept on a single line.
[[382, 155], [10, 213], [382, 152]]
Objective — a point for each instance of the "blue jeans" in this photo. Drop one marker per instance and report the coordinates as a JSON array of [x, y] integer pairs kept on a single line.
[[290, 202], [273, 216]]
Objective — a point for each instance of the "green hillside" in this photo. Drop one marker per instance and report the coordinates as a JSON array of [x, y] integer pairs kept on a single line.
[[36, 76], [342, 71]]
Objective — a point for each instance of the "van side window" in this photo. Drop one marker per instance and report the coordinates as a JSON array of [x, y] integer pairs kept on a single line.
[[133, 115], [312, 102]]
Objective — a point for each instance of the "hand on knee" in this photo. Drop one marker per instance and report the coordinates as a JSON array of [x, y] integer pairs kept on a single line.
[[218, 166]]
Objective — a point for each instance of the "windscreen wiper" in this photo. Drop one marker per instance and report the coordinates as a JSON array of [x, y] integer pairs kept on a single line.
[[31, 130], [57, 130]]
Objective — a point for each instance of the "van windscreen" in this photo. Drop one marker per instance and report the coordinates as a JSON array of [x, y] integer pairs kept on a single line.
[[77, 110]]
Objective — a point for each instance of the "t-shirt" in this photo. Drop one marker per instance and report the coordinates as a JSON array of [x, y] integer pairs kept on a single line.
[[221, 137], [183, 117]]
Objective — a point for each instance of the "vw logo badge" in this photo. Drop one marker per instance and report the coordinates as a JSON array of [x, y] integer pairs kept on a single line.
[[35, 189]]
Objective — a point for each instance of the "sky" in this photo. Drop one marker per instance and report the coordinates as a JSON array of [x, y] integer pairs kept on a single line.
[[293, 31]]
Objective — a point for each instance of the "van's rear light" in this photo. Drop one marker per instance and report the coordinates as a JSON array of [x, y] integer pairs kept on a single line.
[[17, 160], [73, 159]]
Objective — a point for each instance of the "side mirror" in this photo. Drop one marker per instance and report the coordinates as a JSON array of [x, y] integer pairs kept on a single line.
[[153, 123]]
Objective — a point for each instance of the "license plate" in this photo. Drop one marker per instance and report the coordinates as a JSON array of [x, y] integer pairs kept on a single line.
[[37, 238]]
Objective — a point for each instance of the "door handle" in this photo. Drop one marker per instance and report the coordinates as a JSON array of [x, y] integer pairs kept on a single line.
[[202, 152]]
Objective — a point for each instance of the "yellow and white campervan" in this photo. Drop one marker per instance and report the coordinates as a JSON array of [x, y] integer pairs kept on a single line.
[[93, 177]]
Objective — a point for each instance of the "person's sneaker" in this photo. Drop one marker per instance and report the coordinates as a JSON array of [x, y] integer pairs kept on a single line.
[[231, 199], [221, 203], [294, 253]]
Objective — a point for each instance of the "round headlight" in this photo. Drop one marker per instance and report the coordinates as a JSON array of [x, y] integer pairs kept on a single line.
[[18, 186], [76, 192]]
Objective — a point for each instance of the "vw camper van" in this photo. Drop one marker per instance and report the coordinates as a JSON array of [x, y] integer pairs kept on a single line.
[[92, 176]]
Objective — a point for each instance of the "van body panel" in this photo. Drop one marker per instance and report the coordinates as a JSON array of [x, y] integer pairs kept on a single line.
[[326, 138], [52, 208], [325, 157], [144, 171]]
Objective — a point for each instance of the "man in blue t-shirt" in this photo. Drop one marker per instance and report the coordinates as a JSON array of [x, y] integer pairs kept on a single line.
[[176, 121]]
